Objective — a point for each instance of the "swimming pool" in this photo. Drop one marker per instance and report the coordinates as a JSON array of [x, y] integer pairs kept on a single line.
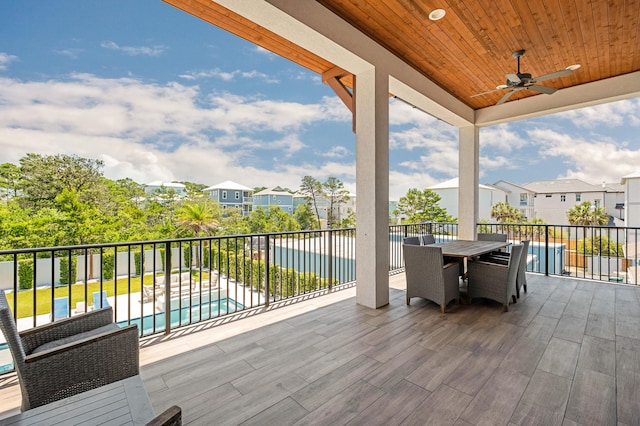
[[186, 315]]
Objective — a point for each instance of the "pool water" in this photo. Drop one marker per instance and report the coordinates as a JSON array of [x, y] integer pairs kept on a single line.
[[186, 315], [6, 367]]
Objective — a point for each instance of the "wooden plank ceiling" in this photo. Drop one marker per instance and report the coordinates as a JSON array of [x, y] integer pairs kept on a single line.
[[469, 51]]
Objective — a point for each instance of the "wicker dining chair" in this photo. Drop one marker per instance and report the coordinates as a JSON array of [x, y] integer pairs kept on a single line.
[[492, 237], [521, 278], [413, 241], [69, 356], [495, 280], [428, 277]]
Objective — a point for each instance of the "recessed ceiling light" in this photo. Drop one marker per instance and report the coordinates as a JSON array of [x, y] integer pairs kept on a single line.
[[573, 67], [437, 14]]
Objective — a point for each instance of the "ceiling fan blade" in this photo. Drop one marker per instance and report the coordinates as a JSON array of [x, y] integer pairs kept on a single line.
[[488, 91], [556, 74], [542, 89], [513, 78], [505, 97]]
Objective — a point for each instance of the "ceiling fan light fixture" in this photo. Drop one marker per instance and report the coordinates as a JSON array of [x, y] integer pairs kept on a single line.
[[437, 14], [573, 67], [502, 86]]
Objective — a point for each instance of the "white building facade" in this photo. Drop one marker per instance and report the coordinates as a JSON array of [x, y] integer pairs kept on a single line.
[[553, 198], [487, 197]]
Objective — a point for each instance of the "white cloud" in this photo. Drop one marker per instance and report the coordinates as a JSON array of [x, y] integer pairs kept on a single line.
[[135, 50], [502, 137], [5, 60], [591, 161], [613, 114], [229, 75], [71, 53], [337, 152], [400, 182], [149, 132]]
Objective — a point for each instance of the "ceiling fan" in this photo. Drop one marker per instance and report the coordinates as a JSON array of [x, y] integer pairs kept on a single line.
[[524, 81]]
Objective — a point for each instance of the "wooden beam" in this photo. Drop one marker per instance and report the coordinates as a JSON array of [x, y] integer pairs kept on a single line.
[[332, 78]]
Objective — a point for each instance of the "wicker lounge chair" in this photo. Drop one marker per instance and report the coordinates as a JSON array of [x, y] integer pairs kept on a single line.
[[428, 277], [495, 280], [172, 416], [69, 356]]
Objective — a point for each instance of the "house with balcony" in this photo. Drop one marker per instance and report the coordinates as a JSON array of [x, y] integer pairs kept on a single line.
[[518, 197], [159, 186], [553, 198], [231, 195], [274, 196]]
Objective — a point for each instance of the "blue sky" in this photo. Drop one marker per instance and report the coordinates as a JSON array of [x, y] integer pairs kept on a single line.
[[160, 95]]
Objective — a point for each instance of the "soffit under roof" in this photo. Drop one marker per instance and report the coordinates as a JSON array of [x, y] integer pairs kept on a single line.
[[470, 49]]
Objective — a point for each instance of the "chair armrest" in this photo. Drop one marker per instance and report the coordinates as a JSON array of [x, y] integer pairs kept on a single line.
[[38, 336], [80, 366], [172, 416], [500, 260], [60, 350], [483, 263]]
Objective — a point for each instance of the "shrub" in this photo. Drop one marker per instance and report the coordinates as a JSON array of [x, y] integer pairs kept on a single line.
[[25, 274], [600, 245], [64, 269], [108, 266]]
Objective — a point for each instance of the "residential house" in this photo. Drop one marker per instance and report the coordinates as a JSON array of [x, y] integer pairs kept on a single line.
[[631, 185], [518, 196], [487, 197], [232, 195], [274, 196], [631, 204], [555, 197], [156, 186], [341, 211]]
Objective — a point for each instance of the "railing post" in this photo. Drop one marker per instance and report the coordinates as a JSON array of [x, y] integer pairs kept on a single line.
[[167, 288], [267, 272], [546, 250], [330, 266]]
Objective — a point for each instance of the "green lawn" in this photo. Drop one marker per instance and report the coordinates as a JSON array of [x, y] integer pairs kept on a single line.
[[43, 295]]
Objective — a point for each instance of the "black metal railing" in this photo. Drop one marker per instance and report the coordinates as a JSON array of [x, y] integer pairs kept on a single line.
[[440, 230], [162, 285], [167, 284], [598, 253]]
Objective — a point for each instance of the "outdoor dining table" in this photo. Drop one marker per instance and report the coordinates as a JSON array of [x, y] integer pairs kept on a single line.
[[469, 248]]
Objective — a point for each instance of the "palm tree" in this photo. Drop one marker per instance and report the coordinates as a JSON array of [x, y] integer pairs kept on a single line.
[[199, 217], [587, 214], [505, 213]]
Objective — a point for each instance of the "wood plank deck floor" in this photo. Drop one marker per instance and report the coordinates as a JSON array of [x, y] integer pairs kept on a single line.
[[567, 353]]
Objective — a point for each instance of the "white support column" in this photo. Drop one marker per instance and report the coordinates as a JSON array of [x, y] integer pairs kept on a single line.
[[372, 187], [469, 177]]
